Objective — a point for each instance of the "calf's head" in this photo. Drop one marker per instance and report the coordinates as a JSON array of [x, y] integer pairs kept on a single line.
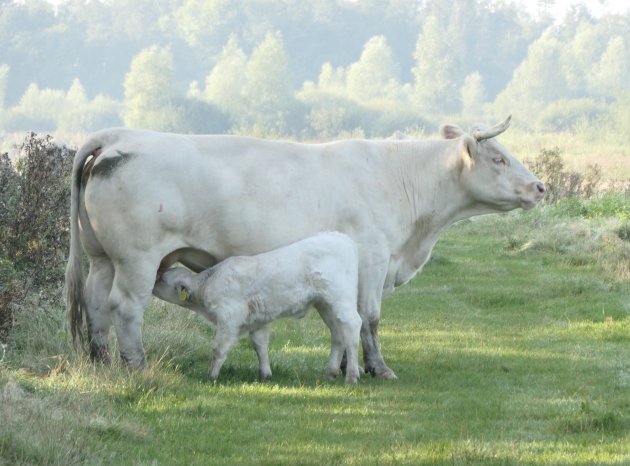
[[174, 285], [490, 174]]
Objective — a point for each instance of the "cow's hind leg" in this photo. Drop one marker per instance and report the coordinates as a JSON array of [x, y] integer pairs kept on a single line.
[[99, 319], [131, 291], [260, 342]]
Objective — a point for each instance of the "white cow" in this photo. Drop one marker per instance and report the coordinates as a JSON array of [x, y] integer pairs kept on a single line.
[[243, 294], [139, 197]]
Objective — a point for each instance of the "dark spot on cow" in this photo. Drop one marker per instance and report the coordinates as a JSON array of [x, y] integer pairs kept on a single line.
[[106, 165]]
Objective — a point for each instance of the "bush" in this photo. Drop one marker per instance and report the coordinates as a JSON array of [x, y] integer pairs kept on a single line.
[[34, 223], [40, 228], [562, 183]]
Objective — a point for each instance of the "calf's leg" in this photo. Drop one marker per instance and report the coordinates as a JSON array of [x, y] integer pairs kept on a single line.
[[260, 342], [224, 341], [350, 326], [336, 342]]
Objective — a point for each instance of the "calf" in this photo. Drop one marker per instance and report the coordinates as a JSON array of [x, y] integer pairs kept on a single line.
[[243, 294]]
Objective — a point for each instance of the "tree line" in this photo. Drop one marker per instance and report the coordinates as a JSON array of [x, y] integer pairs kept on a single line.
[[311, 70]]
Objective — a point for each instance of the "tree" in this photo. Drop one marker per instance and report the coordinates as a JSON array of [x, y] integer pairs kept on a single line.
[[435, 88], [149, 92], [375, 74], [473, 95], [538, 81], [267, 90], [225, 84], [613, 70], [202, 22], [74, 117]]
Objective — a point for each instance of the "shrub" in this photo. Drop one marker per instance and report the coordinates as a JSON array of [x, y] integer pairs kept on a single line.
[[39, 230], [562, 183], [34, 223]]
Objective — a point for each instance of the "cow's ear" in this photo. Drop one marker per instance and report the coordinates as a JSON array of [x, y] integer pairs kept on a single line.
[[450, 131], [469, 146]]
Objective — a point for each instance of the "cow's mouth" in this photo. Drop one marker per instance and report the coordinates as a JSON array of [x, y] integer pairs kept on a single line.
[[527, 204]]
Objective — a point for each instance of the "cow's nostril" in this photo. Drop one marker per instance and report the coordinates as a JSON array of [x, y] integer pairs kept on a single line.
[[541, 187]]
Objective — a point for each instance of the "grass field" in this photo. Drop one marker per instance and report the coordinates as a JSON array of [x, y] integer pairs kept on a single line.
[[512, 347]]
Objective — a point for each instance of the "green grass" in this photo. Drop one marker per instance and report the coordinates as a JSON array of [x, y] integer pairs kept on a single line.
[[508, 349]]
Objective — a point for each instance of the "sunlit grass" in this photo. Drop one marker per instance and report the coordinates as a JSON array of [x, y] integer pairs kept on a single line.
[[507, 352]]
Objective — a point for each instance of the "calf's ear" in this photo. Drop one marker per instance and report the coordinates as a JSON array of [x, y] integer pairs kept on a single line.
[[182, 292], [450, 131]]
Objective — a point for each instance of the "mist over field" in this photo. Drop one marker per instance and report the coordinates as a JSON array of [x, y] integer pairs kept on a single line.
[[312, 70]]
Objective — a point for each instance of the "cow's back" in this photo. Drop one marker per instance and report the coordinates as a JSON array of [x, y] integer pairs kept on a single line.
[[224, 195]]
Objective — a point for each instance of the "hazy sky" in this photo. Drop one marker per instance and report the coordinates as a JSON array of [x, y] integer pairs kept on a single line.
[[559, 7]]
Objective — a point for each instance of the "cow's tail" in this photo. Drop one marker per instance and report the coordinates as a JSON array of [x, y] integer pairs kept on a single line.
[[74, 286]]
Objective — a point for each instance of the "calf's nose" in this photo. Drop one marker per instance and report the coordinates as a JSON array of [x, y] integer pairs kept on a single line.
[[540, 187]]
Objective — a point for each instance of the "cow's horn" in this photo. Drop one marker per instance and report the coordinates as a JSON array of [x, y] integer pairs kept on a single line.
[[480, 135]]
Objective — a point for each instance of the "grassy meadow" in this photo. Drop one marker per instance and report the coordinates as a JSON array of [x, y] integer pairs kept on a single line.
[[512, 347]]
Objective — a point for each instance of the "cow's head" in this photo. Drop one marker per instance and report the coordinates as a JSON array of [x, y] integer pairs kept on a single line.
[[490, 174], [175, 285]]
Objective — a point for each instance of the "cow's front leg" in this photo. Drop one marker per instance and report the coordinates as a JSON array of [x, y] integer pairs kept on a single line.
[[374, 362], [370, 293]]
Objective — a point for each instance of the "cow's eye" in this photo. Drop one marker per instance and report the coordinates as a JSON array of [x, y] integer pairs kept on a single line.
[[499, 160]]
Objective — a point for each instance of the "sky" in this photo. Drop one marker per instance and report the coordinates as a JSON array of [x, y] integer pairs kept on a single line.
[[559, 7]]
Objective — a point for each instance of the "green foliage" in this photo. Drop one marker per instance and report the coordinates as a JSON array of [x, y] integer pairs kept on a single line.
[[267, 91], [571, 115], [560, 182], [149, 92], [34, 224], [536, 82], [375, 74], [435, 72], [62, 67]]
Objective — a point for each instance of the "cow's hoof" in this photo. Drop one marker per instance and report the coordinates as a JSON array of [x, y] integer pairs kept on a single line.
[[135, 362], [352, 378], [387, 375]]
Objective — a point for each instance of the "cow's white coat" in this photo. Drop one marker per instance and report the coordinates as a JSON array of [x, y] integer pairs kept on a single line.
[[143, 198], [243, 294]]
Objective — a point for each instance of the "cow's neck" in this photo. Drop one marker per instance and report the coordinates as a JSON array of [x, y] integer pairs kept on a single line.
[[433, 199], [428, 179]]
